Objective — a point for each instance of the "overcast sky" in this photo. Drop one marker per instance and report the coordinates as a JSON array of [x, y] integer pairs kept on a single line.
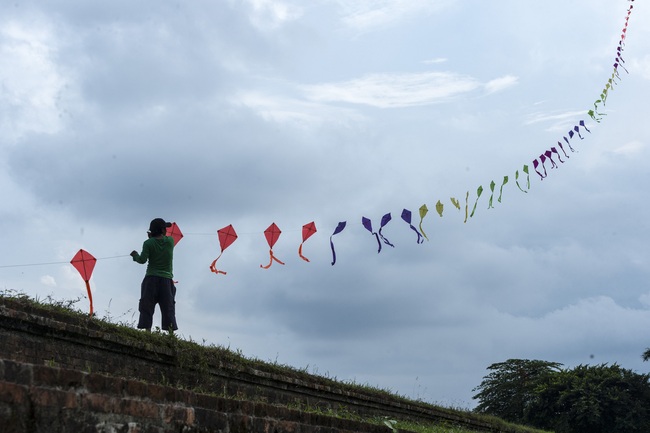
[[210, 113]]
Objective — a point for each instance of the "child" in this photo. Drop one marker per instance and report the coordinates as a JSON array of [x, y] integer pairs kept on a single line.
[[157, 285]]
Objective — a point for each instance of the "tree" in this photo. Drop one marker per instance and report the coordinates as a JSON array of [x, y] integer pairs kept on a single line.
[[509, 390], [594, 399], [646, 354], [585, 399]]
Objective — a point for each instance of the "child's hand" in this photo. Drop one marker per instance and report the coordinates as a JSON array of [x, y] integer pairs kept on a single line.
[[134, 253]]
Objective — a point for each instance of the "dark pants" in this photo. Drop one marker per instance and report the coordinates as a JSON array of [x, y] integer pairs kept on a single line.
[[161, 291]]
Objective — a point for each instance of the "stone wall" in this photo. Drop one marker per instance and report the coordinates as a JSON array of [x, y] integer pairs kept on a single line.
[[40, 398], [65, 372]]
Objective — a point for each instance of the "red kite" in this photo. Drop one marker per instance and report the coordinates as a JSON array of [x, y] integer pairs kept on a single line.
[[307, 230], [227, 236], [272, 234], [174, 232], [84, 262]]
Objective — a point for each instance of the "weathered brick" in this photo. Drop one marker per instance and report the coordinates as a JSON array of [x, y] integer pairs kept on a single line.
[[13, 393], [42, 374], [175, 414], [53, 397], [98, 403], [156, 392], [100, 383], [210, 420], [71, 378], [240, 423], [18, 373], [139, 408]]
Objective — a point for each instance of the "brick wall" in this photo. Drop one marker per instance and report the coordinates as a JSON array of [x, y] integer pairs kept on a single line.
[[66, 372], [40, 398]]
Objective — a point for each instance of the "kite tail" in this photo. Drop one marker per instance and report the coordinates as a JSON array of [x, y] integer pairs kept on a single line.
[[422, 231], [272, 257], [420, 238], [536, 164], [386, 241], [333, 252], [213, 267], [339, 228], [90, 297], [300, 253], [378, 242]]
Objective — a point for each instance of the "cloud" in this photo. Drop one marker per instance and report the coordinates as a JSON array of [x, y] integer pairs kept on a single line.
[[394, 90], [294, 112], [48, 280], [31, 80], [435, 61], [645, 300], [365, 15], [641, 66], [499, 84], [630, 148], [269, 15], [558, 122]]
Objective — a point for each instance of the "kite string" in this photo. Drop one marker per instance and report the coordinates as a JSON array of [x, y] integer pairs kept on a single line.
[[58, 263]]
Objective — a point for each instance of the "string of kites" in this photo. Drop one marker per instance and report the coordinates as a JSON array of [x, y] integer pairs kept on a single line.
[[84, 262]]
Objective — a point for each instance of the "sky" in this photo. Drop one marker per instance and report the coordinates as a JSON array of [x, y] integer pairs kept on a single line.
[[252, 112]]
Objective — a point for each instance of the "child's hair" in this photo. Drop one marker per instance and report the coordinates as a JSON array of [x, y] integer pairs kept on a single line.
[[158, 227]]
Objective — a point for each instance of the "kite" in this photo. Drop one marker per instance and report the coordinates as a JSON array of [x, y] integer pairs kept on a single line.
[[536, 164], [339, 228], [174, 232], [439, 208], [618, 61], [525, 170], [368, 225], [84, 262], [423, 213], [227, 236], [479, 191], [272, 234], [505, 180], [307, 230], [406, 216], [455, 202], [492, 185]]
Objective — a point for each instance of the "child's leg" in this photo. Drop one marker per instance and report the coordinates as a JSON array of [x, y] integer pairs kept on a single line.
[[167, 303], [147, 303]]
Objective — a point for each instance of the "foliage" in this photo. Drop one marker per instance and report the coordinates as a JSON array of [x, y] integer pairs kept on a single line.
[[508, 391], [646, 355], [585, 399]]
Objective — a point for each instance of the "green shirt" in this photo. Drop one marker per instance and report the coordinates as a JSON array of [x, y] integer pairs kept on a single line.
[[160, 253]]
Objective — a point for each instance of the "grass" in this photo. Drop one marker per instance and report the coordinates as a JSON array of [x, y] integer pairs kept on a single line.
[[199, 357]]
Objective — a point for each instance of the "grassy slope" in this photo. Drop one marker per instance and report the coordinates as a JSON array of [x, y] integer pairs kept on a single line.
[[195, 350]]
